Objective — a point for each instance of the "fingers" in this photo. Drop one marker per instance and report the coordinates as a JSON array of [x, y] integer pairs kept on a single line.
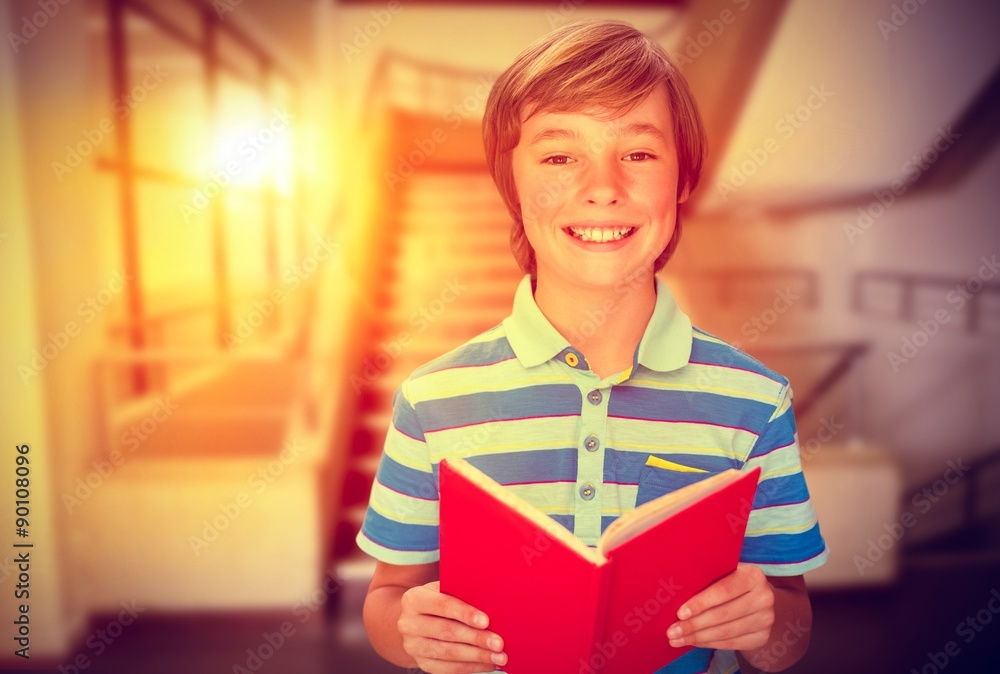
[[460, 657], [445, 635], [736, 612], [428, 600], [446, 630], [744, 633], [744, 579]]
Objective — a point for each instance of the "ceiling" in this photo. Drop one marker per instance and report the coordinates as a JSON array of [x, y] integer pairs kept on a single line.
[[889, 82]]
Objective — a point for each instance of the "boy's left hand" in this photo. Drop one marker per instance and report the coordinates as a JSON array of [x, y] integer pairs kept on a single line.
[[734, 613]]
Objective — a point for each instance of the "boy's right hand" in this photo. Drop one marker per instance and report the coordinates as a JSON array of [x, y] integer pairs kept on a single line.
[[445, 635]]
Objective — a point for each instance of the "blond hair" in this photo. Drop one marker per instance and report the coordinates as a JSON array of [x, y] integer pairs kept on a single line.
[[587, 64]]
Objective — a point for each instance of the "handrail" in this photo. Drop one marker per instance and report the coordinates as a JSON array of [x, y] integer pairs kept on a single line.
[[194, 355], [909, 283], [972, 490], [850, 352], [971, 520], [179, 314], [379, 86]]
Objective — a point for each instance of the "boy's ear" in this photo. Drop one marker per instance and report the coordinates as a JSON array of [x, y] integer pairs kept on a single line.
[[683, 196]]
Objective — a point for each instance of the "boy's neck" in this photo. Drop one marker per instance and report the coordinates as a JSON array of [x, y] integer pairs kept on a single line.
[[603, 324]]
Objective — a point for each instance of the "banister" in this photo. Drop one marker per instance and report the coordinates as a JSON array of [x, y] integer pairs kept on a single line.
[[908, 284]]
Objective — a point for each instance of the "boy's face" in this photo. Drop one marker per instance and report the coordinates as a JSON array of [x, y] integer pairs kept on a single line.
[[598, 195]]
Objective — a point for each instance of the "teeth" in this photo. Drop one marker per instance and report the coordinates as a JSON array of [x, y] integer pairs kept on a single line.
[[601, 234]]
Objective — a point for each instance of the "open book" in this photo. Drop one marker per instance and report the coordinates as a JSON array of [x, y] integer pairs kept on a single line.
[[564, 607]]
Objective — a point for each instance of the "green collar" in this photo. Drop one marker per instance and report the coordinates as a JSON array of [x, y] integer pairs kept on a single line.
[[665, 344]]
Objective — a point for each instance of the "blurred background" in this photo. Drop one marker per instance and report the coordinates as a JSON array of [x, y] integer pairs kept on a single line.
[[229, 230]]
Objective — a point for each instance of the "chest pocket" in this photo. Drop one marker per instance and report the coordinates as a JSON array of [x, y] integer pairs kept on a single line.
[[659, 476]]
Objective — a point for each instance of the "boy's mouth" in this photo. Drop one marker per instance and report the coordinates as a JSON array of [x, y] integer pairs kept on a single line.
[[600, 234]]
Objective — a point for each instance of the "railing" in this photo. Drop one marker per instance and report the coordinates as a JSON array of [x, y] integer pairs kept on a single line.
[[974, 523], [847, 354], [227, 406], [973, 491], [415, 85], [908, 285]]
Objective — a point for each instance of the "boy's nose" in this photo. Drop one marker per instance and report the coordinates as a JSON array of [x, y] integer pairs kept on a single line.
[[603, 184]]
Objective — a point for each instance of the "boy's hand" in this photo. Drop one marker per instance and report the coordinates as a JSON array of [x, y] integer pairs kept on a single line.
[[445, 635], [734, 613]]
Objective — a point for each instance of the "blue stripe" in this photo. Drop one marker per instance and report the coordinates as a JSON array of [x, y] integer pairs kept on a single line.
[[480, 353], [568, 521], [548, 400], [779, 432], [703, 351], [782, 548], [691, 406], [548, 465], [404, 417], [406, 480], [781, 491], [407, 537]]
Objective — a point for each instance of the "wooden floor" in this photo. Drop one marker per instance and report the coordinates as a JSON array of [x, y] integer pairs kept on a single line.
[[882, 632]]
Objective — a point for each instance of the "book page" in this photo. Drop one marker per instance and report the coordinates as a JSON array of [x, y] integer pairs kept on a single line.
[[649, 514]]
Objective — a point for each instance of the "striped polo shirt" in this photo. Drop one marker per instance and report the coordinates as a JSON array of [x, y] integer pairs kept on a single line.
[[522, 405]]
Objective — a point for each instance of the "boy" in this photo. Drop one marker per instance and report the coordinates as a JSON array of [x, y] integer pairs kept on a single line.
[[593, 140]]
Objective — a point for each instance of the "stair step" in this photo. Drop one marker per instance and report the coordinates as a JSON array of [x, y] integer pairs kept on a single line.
[[367, 465], [354, 515], [358, 481], [377, 421], [446, 228]]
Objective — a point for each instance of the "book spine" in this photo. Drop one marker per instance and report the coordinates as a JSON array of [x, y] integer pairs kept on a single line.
[[595, 660]]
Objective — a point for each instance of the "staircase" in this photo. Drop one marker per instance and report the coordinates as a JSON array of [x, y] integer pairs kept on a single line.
[[449, 277]]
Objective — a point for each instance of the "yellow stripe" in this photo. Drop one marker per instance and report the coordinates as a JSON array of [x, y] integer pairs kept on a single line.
[[670, 465], [423, 468], [781, 472], [397, 518], [712, 451], [698, 387], [558, 510], [773, 530], [756, 459], [523, 383], [502, 449]]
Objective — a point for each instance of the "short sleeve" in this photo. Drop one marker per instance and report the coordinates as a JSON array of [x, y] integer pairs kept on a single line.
[[783, 536], [401, 523]]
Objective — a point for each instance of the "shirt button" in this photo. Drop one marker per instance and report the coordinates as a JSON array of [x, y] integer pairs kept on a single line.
[[587, 491], [595, 397], [592, 443], [572, 360]]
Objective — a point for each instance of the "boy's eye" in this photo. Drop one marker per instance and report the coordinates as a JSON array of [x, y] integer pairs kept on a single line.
[[639, 156], [557, 160]]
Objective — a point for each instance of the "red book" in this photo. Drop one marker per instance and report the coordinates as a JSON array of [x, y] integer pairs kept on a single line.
[[565, 608]]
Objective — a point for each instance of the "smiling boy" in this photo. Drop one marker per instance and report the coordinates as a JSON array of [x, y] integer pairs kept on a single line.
[[593, 140]]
